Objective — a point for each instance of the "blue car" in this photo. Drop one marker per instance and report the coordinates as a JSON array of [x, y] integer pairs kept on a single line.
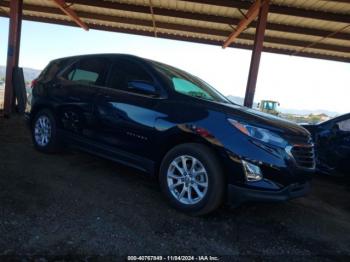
[[202, 148], [332, 145]]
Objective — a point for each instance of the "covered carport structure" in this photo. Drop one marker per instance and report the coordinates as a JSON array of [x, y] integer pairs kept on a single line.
[[308, 28]]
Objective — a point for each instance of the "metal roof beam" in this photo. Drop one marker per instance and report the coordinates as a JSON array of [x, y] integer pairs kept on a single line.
[[188, 29], [227, 20], [61, 4], [153, 19], [279, 9], [251, 14], [310, 45], [200, 17], [156, 10], [182, 38]]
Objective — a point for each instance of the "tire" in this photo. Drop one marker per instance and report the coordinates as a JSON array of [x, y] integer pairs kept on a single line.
[[44, 125], [174, 179]]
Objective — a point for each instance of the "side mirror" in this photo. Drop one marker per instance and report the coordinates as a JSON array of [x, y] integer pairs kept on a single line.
[[142, 87]]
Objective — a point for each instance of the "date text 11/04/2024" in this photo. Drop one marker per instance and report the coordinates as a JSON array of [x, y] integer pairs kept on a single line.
[[173, 258]]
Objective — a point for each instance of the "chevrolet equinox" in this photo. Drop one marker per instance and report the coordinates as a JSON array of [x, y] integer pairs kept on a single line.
[[201, 147]]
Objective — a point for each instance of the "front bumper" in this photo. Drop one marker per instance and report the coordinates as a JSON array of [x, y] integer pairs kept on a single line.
[[238, 194]]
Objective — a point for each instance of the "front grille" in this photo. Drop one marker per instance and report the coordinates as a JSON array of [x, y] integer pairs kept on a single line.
[[297, 139], [304, 156]]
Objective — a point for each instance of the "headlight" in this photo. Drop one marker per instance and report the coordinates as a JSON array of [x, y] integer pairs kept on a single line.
[[259, 133]]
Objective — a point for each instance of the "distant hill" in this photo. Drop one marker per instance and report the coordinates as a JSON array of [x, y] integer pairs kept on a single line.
[[240, 100], [29, 73], [308, 112]]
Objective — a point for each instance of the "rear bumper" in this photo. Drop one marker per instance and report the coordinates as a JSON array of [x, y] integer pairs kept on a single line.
[[237, 194]]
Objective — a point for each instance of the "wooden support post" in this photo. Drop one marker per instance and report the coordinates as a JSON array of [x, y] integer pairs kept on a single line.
[[14, 39], [256, 54]]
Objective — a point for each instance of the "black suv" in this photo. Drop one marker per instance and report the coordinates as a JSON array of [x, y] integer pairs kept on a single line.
[[172, 125]]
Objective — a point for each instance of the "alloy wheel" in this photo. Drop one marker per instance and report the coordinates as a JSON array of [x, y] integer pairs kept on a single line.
[[42, 130], [187, 179]]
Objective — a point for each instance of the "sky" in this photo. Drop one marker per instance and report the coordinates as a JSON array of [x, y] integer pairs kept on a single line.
[[296, 82]]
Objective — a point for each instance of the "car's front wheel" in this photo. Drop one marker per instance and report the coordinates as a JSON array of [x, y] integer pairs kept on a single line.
[[192, 179], [44, 133]]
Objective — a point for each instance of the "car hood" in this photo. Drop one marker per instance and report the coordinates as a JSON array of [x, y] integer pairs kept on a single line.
[[263, 120]]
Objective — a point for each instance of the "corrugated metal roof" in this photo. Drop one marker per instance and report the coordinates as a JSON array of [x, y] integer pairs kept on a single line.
[[311, 28]]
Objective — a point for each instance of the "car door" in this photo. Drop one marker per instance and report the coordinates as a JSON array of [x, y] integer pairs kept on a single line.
[[125, 108], [75, 91], [334, 145], [340, 144]]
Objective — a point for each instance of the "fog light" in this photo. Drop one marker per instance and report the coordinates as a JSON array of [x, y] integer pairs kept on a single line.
[[252, 172]]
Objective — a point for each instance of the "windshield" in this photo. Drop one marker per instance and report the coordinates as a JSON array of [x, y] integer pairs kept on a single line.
[[190, 85]]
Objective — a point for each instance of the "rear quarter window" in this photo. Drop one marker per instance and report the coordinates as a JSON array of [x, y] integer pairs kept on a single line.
[[52, 69], [83, 76], [89, 71]]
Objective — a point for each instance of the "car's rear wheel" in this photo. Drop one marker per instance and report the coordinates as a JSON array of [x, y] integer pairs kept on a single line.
[[44, 133], [191, 178]]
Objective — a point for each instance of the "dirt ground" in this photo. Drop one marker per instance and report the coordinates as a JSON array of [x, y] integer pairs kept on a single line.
[[77, 204]]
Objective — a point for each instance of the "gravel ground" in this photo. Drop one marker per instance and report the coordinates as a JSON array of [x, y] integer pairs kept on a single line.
[[78, 204]]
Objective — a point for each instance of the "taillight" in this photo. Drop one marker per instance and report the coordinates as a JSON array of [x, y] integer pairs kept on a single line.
[[33, 83]]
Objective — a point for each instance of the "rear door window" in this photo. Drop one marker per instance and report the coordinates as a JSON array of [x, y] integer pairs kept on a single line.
[[90, 71]]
